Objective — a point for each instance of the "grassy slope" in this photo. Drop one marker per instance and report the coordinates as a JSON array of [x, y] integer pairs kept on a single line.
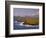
[[29, 21]]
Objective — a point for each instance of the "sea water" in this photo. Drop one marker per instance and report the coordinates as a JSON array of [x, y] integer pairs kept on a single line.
[[20, 25]]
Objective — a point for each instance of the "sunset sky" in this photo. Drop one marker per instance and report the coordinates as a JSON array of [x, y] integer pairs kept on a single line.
[[25, 12]]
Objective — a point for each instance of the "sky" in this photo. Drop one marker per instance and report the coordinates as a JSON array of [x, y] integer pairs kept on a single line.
[[25, 12]]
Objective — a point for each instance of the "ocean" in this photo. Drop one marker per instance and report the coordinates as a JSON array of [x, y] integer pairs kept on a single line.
[[19, 26]]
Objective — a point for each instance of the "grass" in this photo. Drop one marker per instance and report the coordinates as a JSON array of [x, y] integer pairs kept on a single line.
[[31, 21]]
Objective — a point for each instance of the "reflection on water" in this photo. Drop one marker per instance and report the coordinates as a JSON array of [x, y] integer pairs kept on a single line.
[[20, 25]]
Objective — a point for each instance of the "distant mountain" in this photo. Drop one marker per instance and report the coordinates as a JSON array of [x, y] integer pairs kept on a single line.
[[36, 16]]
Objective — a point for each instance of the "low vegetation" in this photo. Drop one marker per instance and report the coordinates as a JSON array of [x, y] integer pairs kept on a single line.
[[31, 21]]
